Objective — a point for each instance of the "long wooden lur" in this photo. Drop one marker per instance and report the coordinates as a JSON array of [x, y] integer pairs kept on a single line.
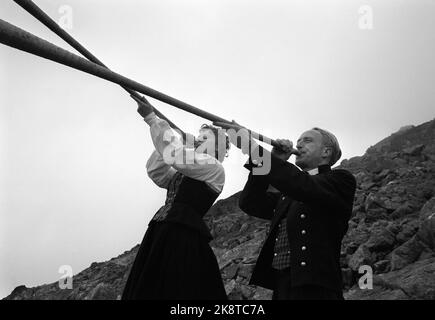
[[40, 15], [15, 37]]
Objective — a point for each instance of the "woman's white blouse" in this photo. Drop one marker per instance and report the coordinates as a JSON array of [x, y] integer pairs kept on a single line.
[[170, 156]]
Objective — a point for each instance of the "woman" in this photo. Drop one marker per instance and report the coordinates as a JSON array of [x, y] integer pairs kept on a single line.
[[175, 260]]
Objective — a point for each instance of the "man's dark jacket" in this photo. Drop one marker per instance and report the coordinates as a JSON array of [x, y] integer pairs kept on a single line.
[[317, 210]]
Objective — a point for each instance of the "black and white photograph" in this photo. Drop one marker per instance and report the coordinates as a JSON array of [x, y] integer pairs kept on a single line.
[[217, 152]]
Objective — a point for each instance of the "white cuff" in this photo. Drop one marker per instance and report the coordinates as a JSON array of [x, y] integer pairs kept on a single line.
[[150, 118]]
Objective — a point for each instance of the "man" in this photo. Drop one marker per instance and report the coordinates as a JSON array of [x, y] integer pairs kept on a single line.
[[309, 216]]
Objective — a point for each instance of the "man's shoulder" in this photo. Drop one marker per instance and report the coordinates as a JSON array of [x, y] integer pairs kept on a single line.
[[341, 171], [343, 174]]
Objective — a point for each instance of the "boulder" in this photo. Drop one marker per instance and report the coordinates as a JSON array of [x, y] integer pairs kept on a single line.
[[230, 271], [102, 291], [414, 150], [382, 266], [375, 214], [416, 281], [381, 239], [428, 209], [402, 211], [377, 164], [348, 277], [262, 294], [406, 254], [426, 233], [362, 256], [407, 230]]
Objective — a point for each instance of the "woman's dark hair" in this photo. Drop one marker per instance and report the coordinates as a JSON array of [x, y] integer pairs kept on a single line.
[[216, 132]]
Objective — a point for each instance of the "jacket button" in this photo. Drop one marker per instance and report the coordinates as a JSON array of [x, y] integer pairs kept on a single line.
[[303, 264], [303, 216], [275, 254], [276, 239], [283, 198], [303, 232], [304, 248], [254, 162]]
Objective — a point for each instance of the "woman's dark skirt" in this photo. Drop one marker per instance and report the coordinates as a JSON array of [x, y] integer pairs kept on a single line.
[[174, 262]]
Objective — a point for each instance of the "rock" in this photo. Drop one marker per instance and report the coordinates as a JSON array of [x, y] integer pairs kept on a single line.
[[367, 185], [348, 278], [402, 211], [405, 128], [416, 281], [229, 286], [426, 233], [362, 256], [262, 294], [357, 236], [244, 227], [350, 248], [382, 175], [373, 201], [103, 291], [428, 209], [382, 266], [394, 227], [247, 292], [376, 214], [381, 239], [249, 249], [377, 164], [375, 294], [361, 177], [230, 271], [245, 270], [406, 254], [408, 229], [414, 150], [17, 292]]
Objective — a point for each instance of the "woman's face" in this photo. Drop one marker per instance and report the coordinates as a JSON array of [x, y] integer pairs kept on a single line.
[[206, 143]]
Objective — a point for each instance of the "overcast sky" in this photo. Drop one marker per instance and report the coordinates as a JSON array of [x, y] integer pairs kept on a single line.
[[73, 185]]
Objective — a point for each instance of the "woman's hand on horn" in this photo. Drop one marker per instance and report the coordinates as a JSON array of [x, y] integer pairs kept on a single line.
[[144, 108]]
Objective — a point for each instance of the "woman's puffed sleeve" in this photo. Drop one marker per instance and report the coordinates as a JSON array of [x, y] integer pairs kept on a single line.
[[199, 166], [158, 171]]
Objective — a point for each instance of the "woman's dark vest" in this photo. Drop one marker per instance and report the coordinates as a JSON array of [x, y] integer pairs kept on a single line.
[[187, 201]]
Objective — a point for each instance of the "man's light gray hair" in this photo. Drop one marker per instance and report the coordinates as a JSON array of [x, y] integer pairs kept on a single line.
[[329, 140]]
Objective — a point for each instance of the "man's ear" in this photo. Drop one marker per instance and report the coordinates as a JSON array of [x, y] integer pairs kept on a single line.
[[327, 152]]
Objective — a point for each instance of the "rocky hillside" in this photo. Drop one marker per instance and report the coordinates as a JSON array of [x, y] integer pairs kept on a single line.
[[392, 229]]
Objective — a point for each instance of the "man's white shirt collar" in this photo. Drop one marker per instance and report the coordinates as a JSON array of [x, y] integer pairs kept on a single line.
[[313, 172]]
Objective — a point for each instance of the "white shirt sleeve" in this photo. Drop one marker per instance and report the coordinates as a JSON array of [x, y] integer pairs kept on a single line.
[[199, 166], [160, 172]]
